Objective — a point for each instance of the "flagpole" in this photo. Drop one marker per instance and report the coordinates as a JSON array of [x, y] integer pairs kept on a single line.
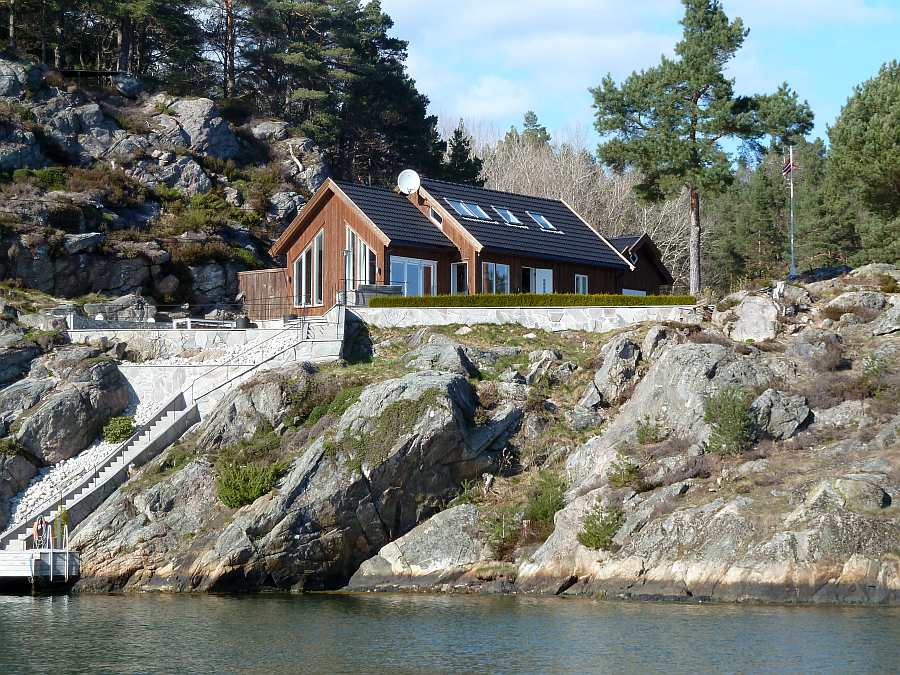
[[793, 258]]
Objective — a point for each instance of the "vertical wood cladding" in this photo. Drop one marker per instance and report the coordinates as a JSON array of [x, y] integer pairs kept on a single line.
[[334, 215], [267, 294], [600, 279]]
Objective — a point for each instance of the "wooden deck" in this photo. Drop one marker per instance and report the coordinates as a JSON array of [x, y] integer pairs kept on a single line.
[[40, 565]]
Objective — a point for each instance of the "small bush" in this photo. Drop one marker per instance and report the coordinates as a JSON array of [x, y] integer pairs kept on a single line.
[[118, 429], [728, 412], [625, 473], [889, 284], [51, 178], [9, 447], [649, 432], [239, 485], [532, 300], [600, 526], [546, 499]]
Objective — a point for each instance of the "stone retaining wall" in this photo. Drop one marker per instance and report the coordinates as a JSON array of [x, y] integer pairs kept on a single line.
[[593, 319]]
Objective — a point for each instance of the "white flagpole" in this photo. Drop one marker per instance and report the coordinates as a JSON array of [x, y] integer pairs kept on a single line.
[[793, 258]]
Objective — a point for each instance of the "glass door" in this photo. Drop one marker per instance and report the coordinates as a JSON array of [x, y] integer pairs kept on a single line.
[[418, 277]]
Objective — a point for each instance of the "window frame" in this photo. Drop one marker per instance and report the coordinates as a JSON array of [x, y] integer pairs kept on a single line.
[[515, 222], [486, 275], [424, 262], [453, 276], [310, 272], [586, 279], [537, 217], [357, 266]]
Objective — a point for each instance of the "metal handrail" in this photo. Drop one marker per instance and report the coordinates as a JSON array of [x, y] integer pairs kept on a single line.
[[97, 466]]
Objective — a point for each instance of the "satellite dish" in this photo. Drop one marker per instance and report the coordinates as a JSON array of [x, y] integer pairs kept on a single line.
[[408, 181]]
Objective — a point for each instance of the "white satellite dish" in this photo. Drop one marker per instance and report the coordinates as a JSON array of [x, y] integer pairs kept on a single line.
[[408, 181]]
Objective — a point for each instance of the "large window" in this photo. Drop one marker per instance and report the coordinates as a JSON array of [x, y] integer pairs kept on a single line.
[[581, 284], [309, 274], [459, 278], [360, 263], [418, 277], [494, 278]]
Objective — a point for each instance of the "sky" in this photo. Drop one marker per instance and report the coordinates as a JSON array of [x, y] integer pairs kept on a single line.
[[489, 61]]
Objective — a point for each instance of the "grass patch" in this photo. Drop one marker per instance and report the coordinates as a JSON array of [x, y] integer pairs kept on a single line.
[[728, 412], [532, 300], [118, 429]]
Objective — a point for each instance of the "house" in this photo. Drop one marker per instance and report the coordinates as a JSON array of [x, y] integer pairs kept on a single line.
[[649, 276], [441, 238]]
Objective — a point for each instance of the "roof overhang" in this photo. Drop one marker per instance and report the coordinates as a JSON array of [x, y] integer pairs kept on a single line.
[[445, 216], [328, 189], [602, 238], [646, 245]]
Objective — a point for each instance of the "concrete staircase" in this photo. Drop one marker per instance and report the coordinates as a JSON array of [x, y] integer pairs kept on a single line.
[[167, 425]]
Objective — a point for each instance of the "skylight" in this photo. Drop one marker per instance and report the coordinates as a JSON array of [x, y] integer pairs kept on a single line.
[[468, 209], [508, 216], [541, 220]]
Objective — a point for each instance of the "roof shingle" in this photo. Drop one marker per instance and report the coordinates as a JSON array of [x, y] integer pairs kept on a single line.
[[396, 216], [574, 241]]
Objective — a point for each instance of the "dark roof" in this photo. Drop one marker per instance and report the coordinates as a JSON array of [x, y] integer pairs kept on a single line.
[[625, 241], [575, 241], [395, 215]]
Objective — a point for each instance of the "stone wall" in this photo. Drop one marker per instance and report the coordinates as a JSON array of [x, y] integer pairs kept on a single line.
[[593, 319]]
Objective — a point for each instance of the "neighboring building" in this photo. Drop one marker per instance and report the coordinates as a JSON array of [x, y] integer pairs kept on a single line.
[[650, 276], [444, 238]]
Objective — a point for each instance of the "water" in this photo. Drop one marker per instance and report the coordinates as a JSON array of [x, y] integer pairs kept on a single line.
[[459, 634]]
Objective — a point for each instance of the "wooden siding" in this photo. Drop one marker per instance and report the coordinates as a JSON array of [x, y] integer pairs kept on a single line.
[[333, 215], [267, 294], [646, 277], [468, 252], [600, 279]]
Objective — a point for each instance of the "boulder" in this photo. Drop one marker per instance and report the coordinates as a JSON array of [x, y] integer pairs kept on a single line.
[[619, 359], [889, 435], [16, 77], [81, 243], [887, 323], [21, 396], [15, 473], [756, 319], [196, 124], [19, 149], [337, 506], [847, 493], [875, 270], [130, 87], [283, 208], [67, 421], [126, 308], [845, 414], [15, 361], [779, 415], [439, 549], [270, 130], [821, 349], [445, 357], [861, 303], [183, 173], [791, 296], [657, 339]]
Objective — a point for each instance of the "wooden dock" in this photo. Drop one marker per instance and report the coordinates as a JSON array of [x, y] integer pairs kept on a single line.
[[39, 566]]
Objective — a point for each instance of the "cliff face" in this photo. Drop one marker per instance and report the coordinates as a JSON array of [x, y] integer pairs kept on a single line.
[[118, 192]]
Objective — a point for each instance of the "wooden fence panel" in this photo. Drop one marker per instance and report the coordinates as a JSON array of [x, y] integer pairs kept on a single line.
[[266, 294]]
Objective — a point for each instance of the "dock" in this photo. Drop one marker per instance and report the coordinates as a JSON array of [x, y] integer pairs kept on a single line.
[[39, 567]]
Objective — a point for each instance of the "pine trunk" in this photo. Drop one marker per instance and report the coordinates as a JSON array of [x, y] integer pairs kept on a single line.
[[230, 46], [12, 25], [695, 242], [124, 44]]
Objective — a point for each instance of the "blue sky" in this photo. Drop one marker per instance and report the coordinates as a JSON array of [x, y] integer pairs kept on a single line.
[[489, 61]]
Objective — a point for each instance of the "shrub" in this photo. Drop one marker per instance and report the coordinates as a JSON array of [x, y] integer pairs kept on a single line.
[[51, 178], [9, 447], [531, 300], [239, 485], [889, 284], [118, 429], [728, 412], [337, 407], [600, 526], [625, 473], [649, 432], [545, 500]]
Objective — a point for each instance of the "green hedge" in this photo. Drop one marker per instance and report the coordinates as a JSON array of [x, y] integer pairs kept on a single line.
[[532, 300]]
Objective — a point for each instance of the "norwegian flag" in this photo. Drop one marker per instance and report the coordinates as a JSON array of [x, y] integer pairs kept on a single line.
[[789, 167]]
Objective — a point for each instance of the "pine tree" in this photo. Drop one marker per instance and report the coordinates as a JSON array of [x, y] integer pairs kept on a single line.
[[462, 165], [668, 122], [533, 131]]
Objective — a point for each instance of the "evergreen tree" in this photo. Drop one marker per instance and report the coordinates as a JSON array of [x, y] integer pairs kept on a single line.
[[533, 132], [462, 165], [668, 122]]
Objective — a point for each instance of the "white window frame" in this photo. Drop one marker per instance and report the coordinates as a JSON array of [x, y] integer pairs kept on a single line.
[[421, 261], [539, 217], [436, 217], [356, 264], [583, 278], [454, 290], [485, 266], [515, 222], [317, 293]]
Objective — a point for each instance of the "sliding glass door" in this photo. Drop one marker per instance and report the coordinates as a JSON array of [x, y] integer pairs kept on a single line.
[[418, 277]]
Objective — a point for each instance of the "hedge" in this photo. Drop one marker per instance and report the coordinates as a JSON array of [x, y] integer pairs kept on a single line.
[[531, 300]]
